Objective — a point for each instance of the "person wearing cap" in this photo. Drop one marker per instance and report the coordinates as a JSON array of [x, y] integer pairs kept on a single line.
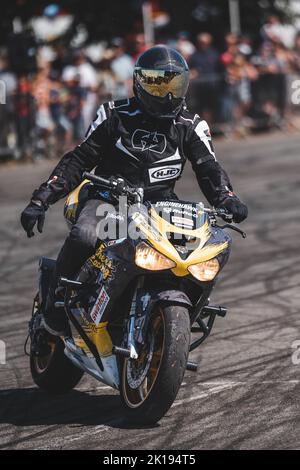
[[122, 67]]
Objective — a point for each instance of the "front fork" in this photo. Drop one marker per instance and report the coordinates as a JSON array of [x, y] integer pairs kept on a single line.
[[132, 326]]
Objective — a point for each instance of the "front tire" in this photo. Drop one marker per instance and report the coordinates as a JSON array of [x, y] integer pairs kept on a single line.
[[54, 372], [167, 355]]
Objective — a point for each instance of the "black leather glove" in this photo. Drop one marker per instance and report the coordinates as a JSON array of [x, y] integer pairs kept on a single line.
[[238, 210], [33, 214]]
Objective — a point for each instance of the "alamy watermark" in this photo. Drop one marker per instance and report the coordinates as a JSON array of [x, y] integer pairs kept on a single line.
[[296, 352], [295, 97], [135, 222], [2, 92], [2, 353]]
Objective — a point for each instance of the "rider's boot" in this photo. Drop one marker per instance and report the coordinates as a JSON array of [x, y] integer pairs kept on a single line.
[[55, 319], [71, 257]]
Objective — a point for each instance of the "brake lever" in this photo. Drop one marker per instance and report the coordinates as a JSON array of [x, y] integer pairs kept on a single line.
[[234, 228]]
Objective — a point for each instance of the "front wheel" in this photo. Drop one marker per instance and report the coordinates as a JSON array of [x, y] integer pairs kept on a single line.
[[150, 384]]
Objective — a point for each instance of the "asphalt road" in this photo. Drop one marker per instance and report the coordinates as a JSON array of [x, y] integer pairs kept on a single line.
[[246, 393]]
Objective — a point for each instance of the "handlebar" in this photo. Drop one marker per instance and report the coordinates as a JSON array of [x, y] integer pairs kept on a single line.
[[117, 185], [107, 183]]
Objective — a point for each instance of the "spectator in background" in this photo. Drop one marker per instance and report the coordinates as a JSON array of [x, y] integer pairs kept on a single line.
[[184, 45], [295, 58], [88, 81], [274, 30], [41, 91], [24, 114], [8, 78], [138, 46], [272, 63], [236, 96], [231, 42], [245, 46], [238, 74], [75, 102], [63, 126], [62, 60], [205, 76], [122, 66], [85, 70], [231, 49], [106, 78]]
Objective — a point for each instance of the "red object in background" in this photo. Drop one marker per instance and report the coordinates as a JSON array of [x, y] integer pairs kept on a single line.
[[226, 58], [23, 97]]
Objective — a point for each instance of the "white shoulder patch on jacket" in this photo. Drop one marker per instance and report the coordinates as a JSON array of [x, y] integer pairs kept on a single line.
[[196, 116], [203, 132], [101, 116]]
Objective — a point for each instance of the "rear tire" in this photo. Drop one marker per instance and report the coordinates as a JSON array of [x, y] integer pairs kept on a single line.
[[151, 401], [54, 373]]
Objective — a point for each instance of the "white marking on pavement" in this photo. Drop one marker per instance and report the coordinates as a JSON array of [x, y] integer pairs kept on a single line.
[[212, 391], [220, 386]]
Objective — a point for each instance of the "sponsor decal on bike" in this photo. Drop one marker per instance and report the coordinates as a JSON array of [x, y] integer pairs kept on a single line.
[[100, 306], [164, 173], [182, 221], [179, 205], [116, 242], [104, 263], [146, 140], [183, 214]]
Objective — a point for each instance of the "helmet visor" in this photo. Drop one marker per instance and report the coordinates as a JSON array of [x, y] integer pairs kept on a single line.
[[161, 82]]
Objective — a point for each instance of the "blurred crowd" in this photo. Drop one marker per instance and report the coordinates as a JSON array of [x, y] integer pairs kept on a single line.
[[236, 85], [248, 83]]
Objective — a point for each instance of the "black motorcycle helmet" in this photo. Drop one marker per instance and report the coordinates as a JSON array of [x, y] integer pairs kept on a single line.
[[160, 82]]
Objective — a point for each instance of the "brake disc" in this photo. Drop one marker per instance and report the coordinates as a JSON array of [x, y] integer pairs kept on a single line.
[[136, 374]]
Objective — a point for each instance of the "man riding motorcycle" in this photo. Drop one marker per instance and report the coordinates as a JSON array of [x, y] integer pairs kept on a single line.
[[146, 140]]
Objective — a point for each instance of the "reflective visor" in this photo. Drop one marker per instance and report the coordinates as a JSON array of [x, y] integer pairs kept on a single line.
[[161, 82]]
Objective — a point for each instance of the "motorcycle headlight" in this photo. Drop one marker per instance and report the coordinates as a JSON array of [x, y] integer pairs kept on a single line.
[[205, 271], [147, 257]]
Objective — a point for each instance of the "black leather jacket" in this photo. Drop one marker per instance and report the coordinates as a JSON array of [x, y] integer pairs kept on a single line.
[[123, 141]]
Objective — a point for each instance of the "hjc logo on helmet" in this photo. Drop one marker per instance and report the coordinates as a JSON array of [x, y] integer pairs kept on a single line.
[[146, 140]]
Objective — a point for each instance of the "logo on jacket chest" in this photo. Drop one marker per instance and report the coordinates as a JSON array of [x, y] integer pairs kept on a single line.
[[146, 140], [164, 173]]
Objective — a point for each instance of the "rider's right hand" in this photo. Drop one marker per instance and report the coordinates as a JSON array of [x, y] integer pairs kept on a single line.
[[33, 214]]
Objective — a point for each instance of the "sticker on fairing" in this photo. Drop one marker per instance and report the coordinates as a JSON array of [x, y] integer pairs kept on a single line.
[[100, 306], [164, 173], [183, 221]]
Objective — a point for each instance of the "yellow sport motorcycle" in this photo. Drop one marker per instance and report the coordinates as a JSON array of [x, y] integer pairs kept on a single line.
[[135, 302]]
